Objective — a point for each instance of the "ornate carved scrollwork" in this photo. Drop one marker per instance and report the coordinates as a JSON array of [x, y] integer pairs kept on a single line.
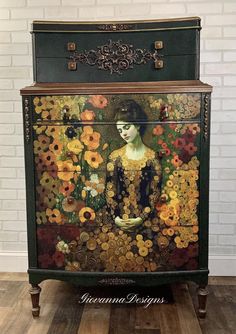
[[205, 116], [116, 281], [27, 119], [115, 27], [114, 57]]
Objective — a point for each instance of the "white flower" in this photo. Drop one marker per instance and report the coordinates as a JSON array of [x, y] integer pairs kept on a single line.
[[94, 178], [94, 192], [63, 247]]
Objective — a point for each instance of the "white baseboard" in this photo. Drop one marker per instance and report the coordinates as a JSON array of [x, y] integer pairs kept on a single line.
[[13, 261], [220, 265]]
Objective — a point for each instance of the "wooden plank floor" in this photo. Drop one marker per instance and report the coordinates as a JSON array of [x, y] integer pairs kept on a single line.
[[62, 314]]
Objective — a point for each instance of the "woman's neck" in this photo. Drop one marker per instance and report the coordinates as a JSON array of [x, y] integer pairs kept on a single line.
[[136, 150], [136, 144]]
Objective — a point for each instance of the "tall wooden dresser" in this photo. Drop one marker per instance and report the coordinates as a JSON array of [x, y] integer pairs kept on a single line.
[[116, 132]]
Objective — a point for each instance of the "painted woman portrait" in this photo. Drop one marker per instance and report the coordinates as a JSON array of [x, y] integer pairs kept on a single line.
[[133, 171]]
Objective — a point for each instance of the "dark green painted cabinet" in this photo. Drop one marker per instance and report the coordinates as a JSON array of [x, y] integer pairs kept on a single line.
[[117, 173]]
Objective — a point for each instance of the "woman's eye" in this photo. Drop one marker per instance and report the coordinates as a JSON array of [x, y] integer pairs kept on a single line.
[[126, 127], [119, 130]]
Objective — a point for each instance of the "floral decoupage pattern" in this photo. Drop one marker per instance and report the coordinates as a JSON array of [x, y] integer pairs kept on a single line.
[[83, 177]]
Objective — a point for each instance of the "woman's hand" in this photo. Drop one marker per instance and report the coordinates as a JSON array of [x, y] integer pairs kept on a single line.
[[128, 224]]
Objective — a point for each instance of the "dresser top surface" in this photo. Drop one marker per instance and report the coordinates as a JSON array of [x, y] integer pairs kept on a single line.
[[117, 87], [117, 26]]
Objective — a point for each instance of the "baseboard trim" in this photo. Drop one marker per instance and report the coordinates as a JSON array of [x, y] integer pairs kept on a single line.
[[13, 261], [220, 265]]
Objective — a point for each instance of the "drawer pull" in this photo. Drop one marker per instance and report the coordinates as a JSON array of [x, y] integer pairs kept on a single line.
[[72, 65], [158, 45], [159, 64], [71, 46]]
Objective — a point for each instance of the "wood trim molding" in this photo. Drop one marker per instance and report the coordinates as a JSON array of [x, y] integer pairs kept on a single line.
[[118, 88]]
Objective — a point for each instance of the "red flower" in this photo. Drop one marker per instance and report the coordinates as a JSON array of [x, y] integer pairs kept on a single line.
[[189, 137], [167, 150], [178, 257], [45, 260], [190, 148], [193, 250], [192, 264], [164, 145], [179, 143], [59, 258]]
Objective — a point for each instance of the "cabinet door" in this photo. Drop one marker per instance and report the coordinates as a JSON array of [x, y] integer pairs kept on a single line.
[[85, 180]]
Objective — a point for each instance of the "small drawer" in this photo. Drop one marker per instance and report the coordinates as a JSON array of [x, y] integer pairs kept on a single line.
[[121, 51], [88, 109]]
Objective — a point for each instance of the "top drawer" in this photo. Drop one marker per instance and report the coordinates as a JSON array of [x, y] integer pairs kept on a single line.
[[115, 52]]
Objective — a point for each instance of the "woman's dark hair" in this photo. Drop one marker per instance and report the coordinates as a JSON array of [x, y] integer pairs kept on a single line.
[[130, 111]]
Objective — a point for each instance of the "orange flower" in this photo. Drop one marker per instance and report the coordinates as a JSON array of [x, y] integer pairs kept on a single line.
[[158, 130], [86, 214], [54, 216], [176, 161], [94, 159], [90, 138], [98, 101], [66, 170], [87, 115], [56, 147], [67, 188]]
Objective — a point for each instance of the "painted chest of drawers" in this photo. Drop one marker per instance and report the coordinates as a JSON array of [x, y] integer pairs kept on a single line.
[[116, 177]]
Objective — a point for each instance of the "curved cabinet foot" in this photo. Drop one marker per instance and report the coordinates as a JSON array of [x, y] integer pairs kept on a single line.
[[35, 293], [202, 301]]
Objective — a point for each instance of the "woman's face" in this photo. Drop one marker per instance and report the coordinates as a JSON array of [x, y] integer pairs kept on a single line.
[[127, 131]]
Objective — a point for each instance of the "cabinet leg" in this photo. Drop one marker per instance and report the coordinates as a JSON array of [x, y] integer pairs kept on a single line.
[[202, 300], [35, 293]]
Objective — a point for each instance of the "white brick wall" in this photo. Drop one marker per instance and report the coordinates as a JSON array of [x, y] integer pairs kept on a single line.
[[218, 67]]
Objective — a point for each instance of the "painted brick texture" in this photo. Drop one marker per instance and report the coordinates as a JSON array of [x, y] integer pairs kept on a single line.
[[218, 67]]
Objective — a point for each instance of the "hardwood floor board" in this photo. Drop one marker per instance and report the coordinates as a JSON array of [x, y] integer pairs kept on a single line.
[[51, 295], [147, 318], [95, 319], [4, 313], [19, 319], [147, 331], [227, 299], [9, 292], [6, 276], [222, 280], [169, 320], [185, 309], [66, 319], [215, 321], [122, 319], [62, 313]]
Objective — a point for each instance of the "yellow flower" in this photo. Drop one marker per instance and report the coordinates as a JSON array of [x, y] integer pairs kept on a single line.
[[75, 146], [110, 166], [173, 194], [86, 214]]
